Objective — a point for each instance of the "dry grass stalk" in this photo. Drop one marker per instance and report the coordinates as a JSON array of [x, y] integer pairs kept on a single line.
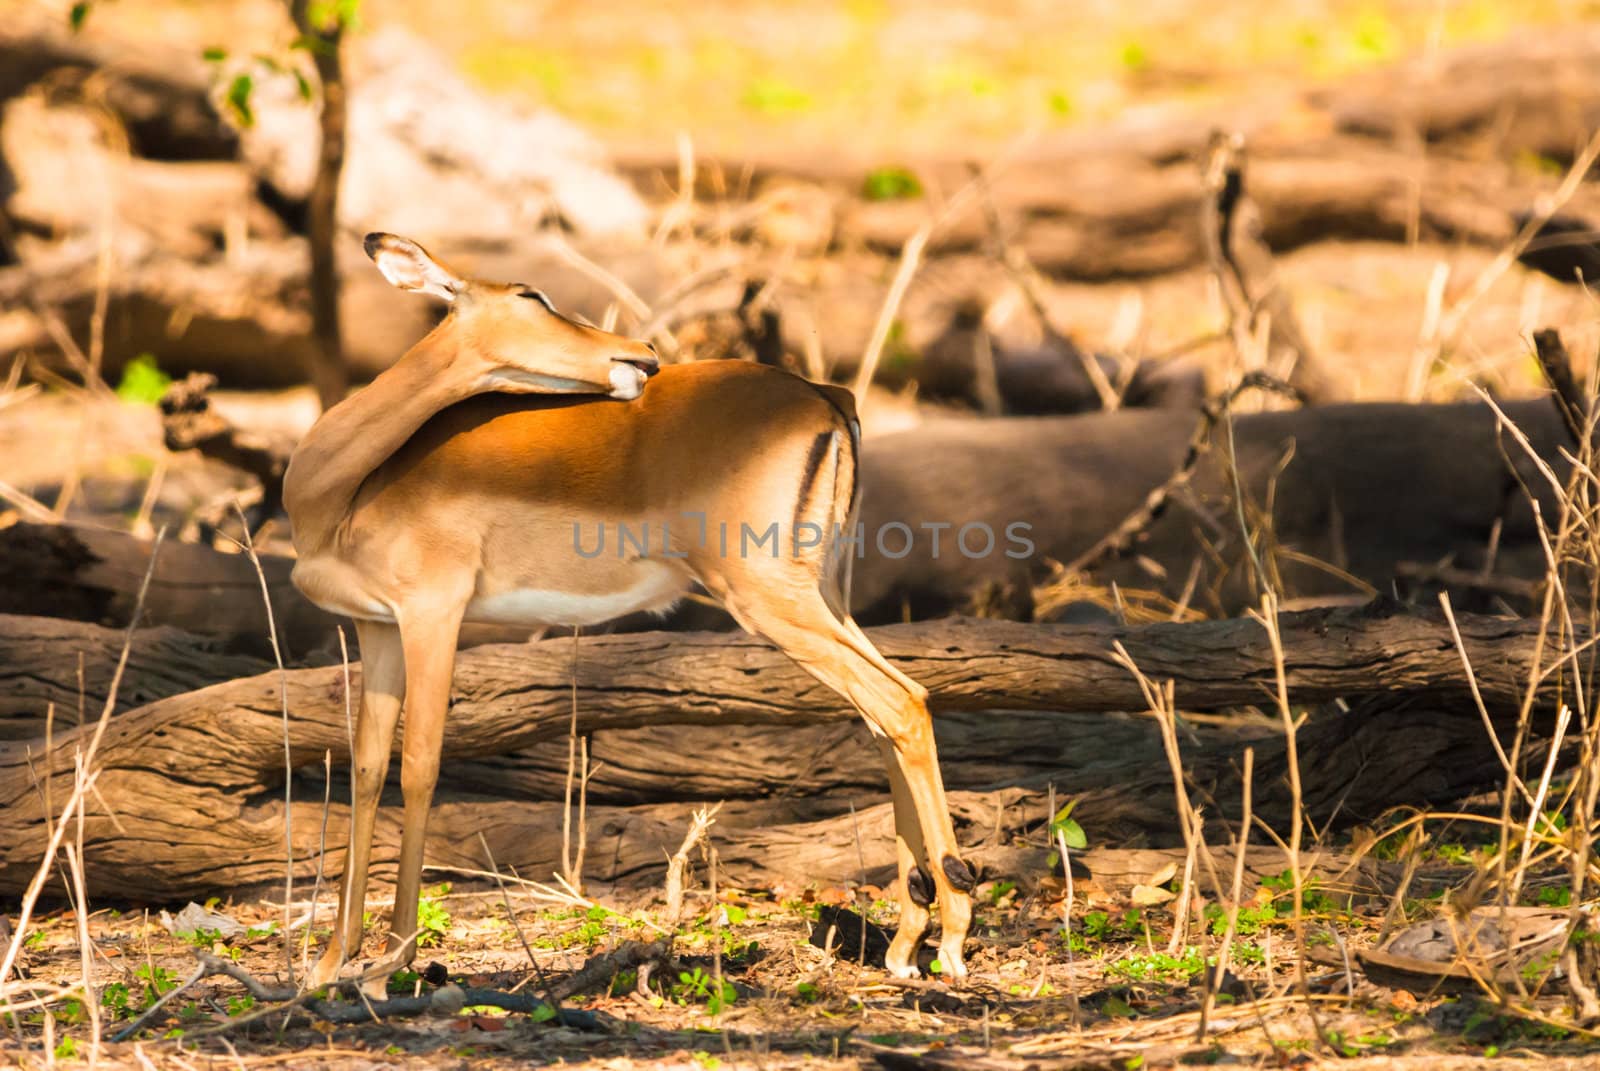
[[288, 750], [1536, 807], [1241, 844], [511, 914], [1477, 696], [1160, 702], [577, 770], [1268, 617], [563, 251], [1066, 924], [79, 898], [1553, 615], [1452, 320], [29, 507]]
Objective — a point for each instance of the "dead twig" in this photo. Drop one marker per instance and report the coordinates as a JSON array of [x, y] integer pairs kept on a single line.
[[444, 1000], [602, 968], [1556, 364], [1242, 263], [188, 422], [1120, 540], [678, 862], [1026, 279]]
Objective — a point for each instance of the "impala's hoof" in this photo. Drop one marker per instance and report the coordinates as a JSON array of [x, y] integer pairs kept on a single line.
[[951, 965], [959, 873], [904, 970], [326, 972], [376, 989], [919, 887]]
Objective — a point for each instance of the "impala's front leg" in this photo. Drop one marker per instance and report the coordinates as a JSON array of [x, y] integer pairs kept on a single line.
[[429, 637], [383, 689]]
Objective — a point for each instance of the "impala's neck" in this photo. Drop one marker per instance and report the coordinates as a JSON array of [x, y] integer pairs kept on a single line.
[[356, 436]]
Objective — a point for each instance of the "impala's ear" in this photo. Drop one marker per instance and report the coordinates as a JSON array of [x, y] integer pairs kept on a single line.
[[408, 266]]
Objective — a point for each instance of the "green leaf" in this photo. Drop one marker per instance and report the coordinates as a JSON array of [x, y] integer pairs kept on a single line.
[[1068, 829], [214, 54], [238, 99], [143, 382], [891, 184], [79, 12], [333, 16], [303, 84], [543, 1013]]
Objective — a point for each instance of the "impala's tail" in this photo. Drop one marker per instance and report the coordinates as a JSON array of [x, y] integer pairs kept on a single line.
[[843, 502]]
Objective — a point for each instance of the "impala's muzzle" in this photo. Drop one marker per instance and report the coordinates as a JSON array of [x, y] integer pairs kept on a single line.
[[629, 373]]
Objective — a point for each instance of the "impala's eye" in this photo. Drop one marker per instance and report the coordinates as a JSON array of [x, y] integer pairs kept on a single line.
[[540, 297]]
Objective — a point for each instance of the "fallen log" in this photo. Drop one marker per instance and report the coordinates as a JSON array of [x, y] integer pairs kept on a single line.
[[1339, 497], [780, 774], [1108, 216], [71, 177], [94, 574], [84, 573], [193, 783], [1528, 94], [47, 662]]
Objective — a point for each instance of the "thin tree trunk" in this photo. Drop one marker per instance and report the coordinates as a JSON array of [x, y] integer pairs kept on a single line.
[[328, 371]]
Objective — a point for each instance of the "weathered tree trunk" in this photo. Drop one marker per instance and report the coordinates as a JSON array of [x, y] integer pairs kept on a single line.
[[328, 371], [48, 662], [194, 780]]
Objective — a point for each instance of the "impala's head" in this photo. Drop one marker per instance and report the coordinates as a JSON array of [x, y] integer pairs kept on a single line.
[[527, 346]]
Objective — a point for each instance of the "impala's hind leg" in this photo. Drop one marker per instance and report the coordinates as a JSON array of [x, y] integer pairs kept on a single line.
[[916, 889], [791, 611], [383, 689]]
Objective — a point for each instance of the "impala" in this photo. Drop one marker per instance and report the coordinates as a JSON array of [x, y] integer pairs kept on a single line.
[[451, 489]]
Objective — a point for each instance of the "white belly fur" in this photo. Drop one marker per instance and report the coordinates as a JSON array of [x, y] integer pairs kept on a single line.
[[657, 587]]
